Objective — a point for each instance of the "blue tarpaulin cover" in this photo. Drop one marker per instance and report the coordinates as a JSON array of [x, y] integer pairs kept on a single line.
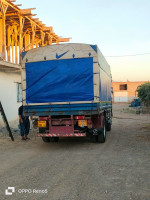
[[60, 80]]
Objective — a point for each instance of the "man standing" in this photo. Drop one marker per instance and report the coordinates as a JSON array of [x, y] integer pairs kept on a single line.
[[24, 124]]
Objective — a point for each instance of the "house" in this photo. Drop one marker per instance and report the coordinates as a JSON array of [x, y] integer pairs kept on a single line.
[[10, 90], [125, 91]]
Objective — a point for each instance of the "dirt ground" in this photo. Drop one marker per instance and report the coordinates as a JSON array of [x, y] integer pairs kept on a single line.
[[76, 169]]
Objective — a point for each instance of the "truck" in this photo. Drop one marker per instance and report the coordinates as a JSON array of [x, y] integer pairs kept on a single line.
[[68, 87]]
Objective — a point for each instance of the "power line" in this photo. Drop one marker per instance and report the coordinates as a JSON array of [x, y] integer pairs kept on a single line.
[[140, 54]]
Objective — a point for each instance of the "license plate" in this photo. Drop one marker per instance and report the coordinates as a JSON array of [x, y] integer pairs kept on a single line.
[[41, 123], [82, 123]]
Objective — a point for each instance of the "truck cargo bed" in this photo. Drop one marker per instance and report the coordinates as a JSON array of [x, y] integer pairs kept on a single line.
[[66, 109]]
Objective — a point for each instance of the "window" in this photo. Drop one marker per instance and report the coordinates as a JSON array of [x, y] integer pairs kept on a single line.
[[19, 92], [123, 87]]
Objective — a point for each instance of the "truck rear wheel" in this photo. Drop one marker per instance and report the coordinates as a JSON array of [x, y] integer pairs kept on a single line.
[[93, 138], [46, 139], [54, 139], [102, 136], [108, 127]]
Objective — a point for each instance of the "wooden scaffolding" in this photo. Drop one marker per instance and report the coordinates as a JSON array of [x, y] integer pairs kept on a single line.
[[20, 31]]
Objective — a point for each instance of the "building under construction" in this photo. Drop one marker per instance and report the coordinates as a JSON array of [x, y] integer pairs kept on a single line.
[[21, 31]]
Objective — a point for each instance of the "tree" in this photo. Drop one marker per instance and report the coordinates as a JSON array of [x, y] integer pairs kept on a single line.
[[144, 93]]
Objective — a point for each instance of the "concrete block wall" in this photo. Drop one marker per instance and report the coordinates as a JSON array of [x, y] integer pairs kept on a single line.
[[126, 95]]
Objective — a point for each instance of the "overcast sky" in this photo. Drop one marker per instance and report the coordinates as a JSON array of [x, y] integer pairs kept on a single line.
[[118, 27]]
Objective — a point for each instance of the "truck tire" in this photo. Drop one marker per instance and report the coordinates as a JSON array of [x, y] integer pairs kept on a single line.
[[102, 136], [108, 127], [93, 138], [46, 139], [54, 139]]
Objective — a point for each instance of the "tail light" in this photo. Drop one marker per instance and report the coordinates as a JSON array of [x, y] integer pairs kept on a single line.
[[79, 117], [43, 118]]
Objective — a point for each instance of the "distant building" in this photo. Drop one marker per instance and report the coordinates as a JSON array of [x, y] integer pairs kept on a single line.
[[125, 91]]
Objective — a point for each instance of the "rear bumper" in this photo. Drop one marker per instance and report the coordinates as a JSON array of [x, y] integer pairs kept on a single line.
[[63, 135]]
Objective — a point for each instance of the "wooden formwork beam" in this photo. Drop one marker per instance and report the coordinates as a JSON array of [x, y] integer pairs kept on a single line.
[[27, 42], [26, 11], [42, 38], [12, 47], [1, 35], [50, 39], [64, 39], [21, 20], [16, 43], [3, 9], [8, 42], [33, 27]]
